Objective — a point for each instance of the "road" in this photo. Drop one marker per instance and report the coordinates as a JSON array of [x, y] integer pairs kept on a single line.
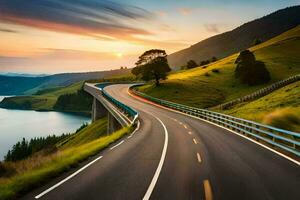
[[173, 156]]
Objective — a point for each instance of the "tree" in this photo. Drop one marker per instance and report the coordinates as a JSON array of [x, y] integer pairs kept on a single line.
[[214, 59], [191, 64], [249, 70], [152, 64], [257, 42]]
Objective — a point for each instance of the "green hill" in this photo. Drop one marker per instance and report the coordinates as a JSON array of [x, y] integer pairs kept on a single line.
[[243, 37], [42, 100], [280, 108], [205, 87]]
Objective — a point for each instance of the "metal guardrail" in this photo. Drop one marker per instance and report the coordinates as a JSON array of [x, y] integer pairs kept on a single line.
[[282, 139], [128, 111]]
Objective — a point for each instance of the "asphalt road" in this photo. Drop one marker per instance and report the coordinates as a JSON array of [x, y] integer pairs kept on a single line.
[[173, 156]]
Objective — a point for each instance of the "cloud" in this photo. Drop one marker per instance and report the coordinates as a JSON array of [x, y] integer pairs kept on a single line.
[[7, 30], [213, 28], [185, 11], [102, 19]]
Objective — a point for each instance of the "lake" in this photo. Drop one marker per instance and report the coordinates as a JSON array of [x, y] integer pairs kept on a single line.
[[16, 124]]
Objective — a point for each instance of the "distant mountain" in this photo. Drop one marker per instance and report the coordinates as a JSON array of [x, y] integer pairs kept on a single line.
[[18, 85], [22, 74], [240, 38]]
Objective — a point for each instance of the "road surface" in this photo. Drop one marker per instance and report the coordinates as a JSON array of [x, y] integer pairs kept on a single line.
[[173, 156]]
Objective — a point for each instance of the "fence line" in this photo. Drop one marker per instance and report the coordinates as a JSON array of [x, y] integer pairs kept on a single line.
[[260, 93]]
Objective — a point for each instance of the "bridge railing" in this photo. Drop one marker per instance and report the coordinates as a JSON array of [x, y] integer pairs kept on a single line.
[[278, 138], [128, 111]]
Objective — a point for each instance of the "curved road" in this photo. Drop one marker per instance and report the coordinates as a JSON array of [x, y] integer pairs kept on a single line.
[[173, 156]]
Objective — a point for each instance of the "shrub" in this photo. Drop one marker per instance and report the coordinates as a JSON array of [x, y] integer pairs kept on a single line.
[[191, 64], [250, 71], [206, 74], [215, 70]]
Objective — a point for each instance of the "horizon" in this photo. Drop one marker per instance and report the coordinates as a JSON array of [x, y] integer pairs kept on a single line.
[[104, 35]]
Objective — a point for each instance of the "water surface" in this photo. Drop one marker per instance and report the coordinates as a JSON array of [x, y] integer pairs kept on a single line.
[[16, 124]]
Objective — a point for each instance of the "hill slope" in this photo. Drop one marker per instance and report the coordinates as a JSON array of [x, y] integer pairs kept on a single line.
[[44, 100], [18, 85], [241, 38], [278, 105], [201, 87]]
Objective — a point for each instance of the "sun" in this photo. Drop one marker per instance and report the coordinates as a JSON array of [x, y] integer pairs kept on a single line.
[[119, 55]]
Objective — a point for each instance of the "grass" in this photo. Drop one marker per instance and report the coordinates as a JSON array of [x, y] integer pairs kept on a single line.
[[44, 100], [276, 106], [38, 169], [201, 87]]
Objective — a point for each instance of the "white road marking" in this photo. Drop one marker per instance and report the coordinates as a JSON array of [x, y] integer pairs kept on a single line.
[[185, 127], [69, 177], [180, 123], [160, 164], [137, 128], [199, 158], [245, 137], [195, 141], [190, 132], [75, 173], [116, 145], [207, 190]]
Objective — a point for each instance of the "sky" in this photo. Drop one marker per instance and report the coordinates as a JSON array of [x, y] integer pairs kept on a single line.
[[54, 36]]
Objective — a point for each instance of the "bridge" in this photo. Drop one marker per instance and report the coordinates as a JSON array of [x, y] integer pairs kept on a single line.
[[118, 114]]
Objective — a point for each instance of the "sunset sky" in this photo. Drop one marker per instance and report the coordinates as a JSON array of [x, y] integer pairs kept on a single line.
[[52, 36]]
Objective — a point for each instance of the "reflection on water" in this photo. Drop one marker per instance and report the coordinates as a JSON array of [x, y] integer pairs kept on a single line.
[[16, 124]]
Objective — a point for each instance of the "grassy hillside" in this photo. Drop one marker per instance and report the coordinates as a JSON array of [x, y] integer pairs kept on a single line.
[[44, 100], [41, 167], [18, 85], [201, 87], [90, 133], [243, 37], [280, 108]]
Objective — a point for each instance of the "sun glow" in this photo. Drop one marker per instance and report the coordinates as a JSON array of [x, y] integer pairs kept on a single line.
[[119, 55]]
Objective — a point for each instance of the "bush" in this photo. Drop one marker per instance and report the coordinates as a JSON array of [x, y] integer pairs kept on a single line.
[[215, 70], [285, 118], [204, 62], [250, 71], [191, 64], [206, 74]]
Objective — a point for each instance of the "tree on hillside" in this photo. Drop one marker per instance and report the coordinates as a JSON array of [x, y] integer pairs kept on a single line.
[[257, 42], [152, 65], [214, 59], [191, 64], [249, 70]]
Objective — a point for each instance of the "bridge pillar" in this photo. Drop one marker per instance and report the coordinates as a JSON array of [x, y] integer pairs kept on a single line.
[[98, 110], [113, 124]]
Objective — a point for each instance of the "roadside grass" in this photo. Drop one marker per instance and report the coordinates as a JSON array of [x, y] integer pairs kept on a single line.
[[43, 100], [39, 169], [276, 106], [89, 133], [193, 87]]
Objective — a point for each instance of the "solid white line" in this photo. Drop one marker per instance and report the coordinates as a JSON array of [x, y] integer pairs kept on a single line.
[[195, 141], [160, 164], [137, 128], [245, 137], [199, 158], [69, 177], [111, 148]]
